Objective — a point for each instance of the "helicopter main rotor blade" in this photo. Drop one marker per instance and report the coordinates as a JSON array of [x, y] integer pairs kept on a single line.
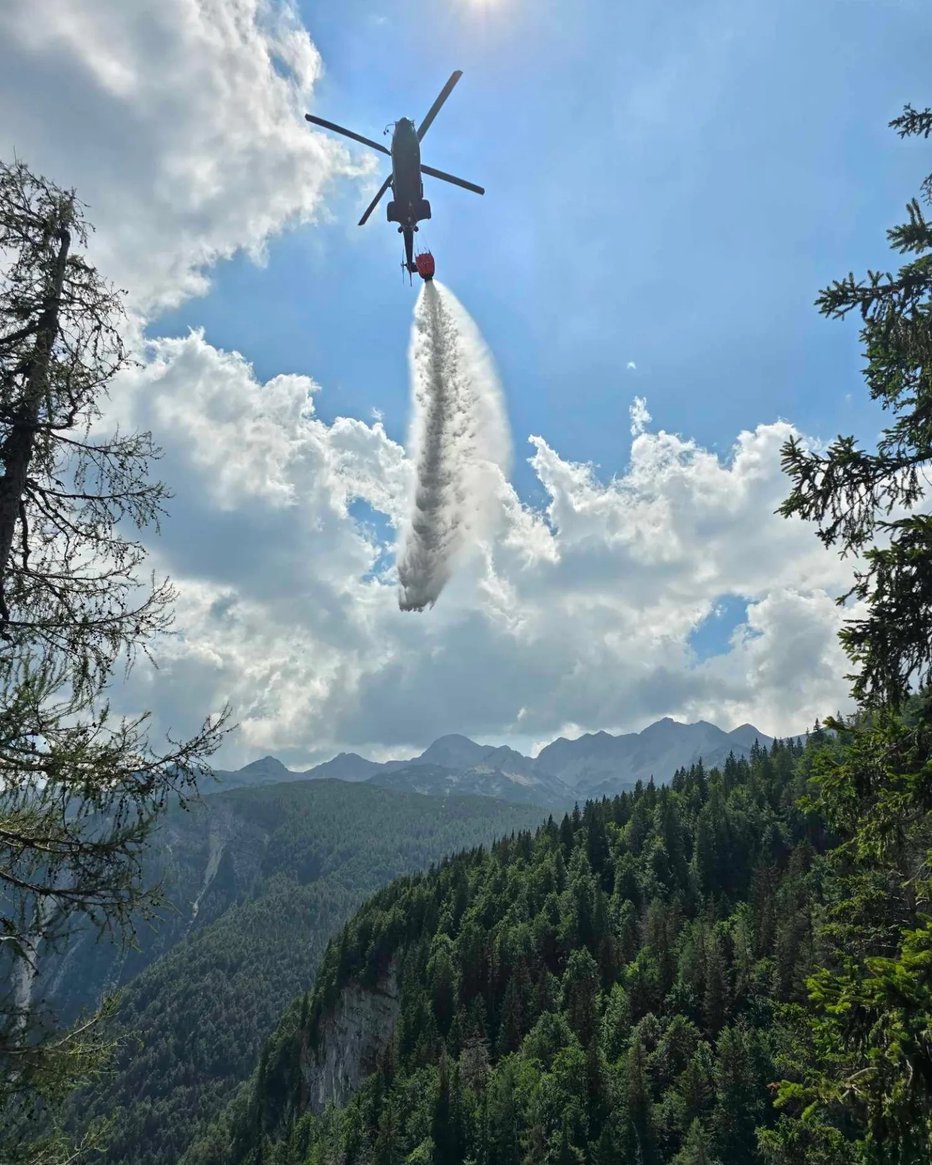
[[375, 202], [452, 178], [348, 133], [435, 108]]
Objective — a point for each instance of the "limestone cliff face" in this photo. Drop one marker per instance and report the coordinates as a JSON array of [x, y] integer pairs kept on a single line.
[[352, 1039]]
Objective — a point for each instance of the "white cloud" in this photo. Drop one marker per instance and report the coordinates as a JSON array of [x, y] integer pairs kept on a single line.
[[580, 615], [640, 417], [631, 366], [180, 123]]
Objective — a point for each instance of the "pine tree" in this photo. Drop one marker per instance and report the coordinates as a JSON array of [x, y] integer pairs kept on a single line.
[[443, 987], [385, 1150], [694, 1086], [605, 1151], [639, 1131], [502, 1119], [738, 1108], [580, 990], [616, 1024], [566, 1152], [446, 1127], [511, 1027], [696, 1148], [715, 998]]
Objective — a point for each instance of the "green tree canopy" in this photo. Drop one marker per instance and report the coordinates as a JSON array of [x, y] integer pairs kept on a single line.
[[876, 503]]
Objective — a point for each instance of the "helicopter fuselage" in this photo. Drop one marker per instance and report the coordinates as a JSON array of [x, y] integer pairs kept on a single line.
[[408, 206]]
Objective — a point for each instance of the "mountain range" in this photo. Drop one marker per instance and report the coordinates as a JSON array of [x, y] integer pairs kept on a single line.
[[594, 765]]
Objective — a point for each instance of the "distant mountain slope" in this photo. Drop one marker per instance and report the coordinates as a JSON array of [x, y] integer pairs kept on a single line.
[[260, 879], [266, 771], [482, 780], [597, 764], [454, 752], [601, 763], [348, 766]]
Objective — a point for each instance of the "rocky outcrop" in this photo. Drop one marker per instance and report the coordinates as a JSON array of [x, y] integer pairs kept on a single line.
[[351, 1040]]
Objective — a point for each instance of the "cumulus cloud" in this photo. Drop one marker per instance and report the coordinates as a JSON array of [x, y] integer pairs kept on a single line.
[[785, 657], [568, 618], [179, 122]]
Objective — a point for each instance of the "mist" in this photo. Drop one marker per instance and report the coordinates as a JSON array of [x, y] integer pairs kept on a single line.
[[459, 443]]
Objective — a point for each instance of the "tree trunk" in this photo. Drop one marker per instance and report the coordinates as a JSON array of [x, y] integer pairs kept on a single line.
[[17, 448]]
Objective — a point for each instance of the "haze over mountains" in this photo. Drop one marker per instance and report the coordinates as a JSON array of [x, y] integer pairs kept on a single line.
[[594, 765]]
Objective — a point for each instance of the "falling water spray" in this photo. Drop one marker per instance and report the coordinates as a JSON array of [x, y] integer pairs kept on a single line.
[[459, 444]]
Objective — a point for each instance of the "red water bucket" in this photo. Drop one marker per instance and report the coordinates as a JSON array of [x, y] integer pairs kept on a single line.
[[425, 265]]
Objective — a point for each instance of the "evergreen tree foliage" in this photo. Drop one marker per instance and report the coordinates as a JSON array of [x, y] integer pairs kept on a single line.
[[857, 1057], [858, 497]]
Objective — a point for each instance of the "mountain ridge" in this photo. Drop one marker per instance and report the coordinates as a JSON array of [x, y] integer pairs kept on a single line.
[[593, 764]]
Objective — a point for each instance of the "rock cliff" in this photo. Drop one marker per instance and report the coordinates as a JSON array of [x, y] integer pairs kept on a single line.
[[351, 1040]]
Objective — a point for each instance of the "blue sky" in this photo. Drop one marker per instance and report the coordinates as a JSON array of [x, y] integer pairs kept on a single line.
[[667, 185]]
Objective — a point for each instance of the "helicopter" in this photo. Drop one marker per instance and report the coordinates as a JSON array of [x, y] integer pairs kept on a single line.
[[408, 205]]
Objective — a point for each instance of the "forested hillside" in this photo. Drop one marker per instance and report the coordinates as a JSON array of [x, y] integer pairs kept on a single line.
[[605, 990], [282, 869]]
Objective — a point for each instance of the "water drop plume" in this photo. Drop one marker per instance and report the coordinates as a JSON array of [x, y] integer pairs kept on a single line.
[[459, 443]]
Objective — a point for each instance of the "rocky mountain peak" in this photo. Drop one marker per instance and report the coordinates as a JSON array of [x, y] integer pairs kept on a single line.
[[265, 765], [454, 752]]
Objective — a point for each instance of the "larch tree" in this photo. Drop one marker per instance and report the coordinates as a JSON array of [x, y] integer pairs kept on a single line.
[[80, 787]]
